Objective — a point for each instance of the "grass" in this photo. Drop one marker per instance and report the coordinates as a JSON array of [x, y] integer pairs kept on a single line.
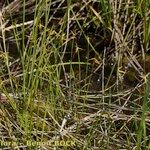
[[74, 74]]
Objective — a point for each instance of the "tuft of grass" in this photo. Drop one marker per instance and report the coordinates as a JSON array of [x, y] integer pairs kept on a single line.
[[75, 71]]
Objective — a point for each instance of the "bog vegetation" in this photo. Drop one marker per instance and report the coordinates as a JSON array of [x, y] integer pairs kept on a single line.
[[74, 70]]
